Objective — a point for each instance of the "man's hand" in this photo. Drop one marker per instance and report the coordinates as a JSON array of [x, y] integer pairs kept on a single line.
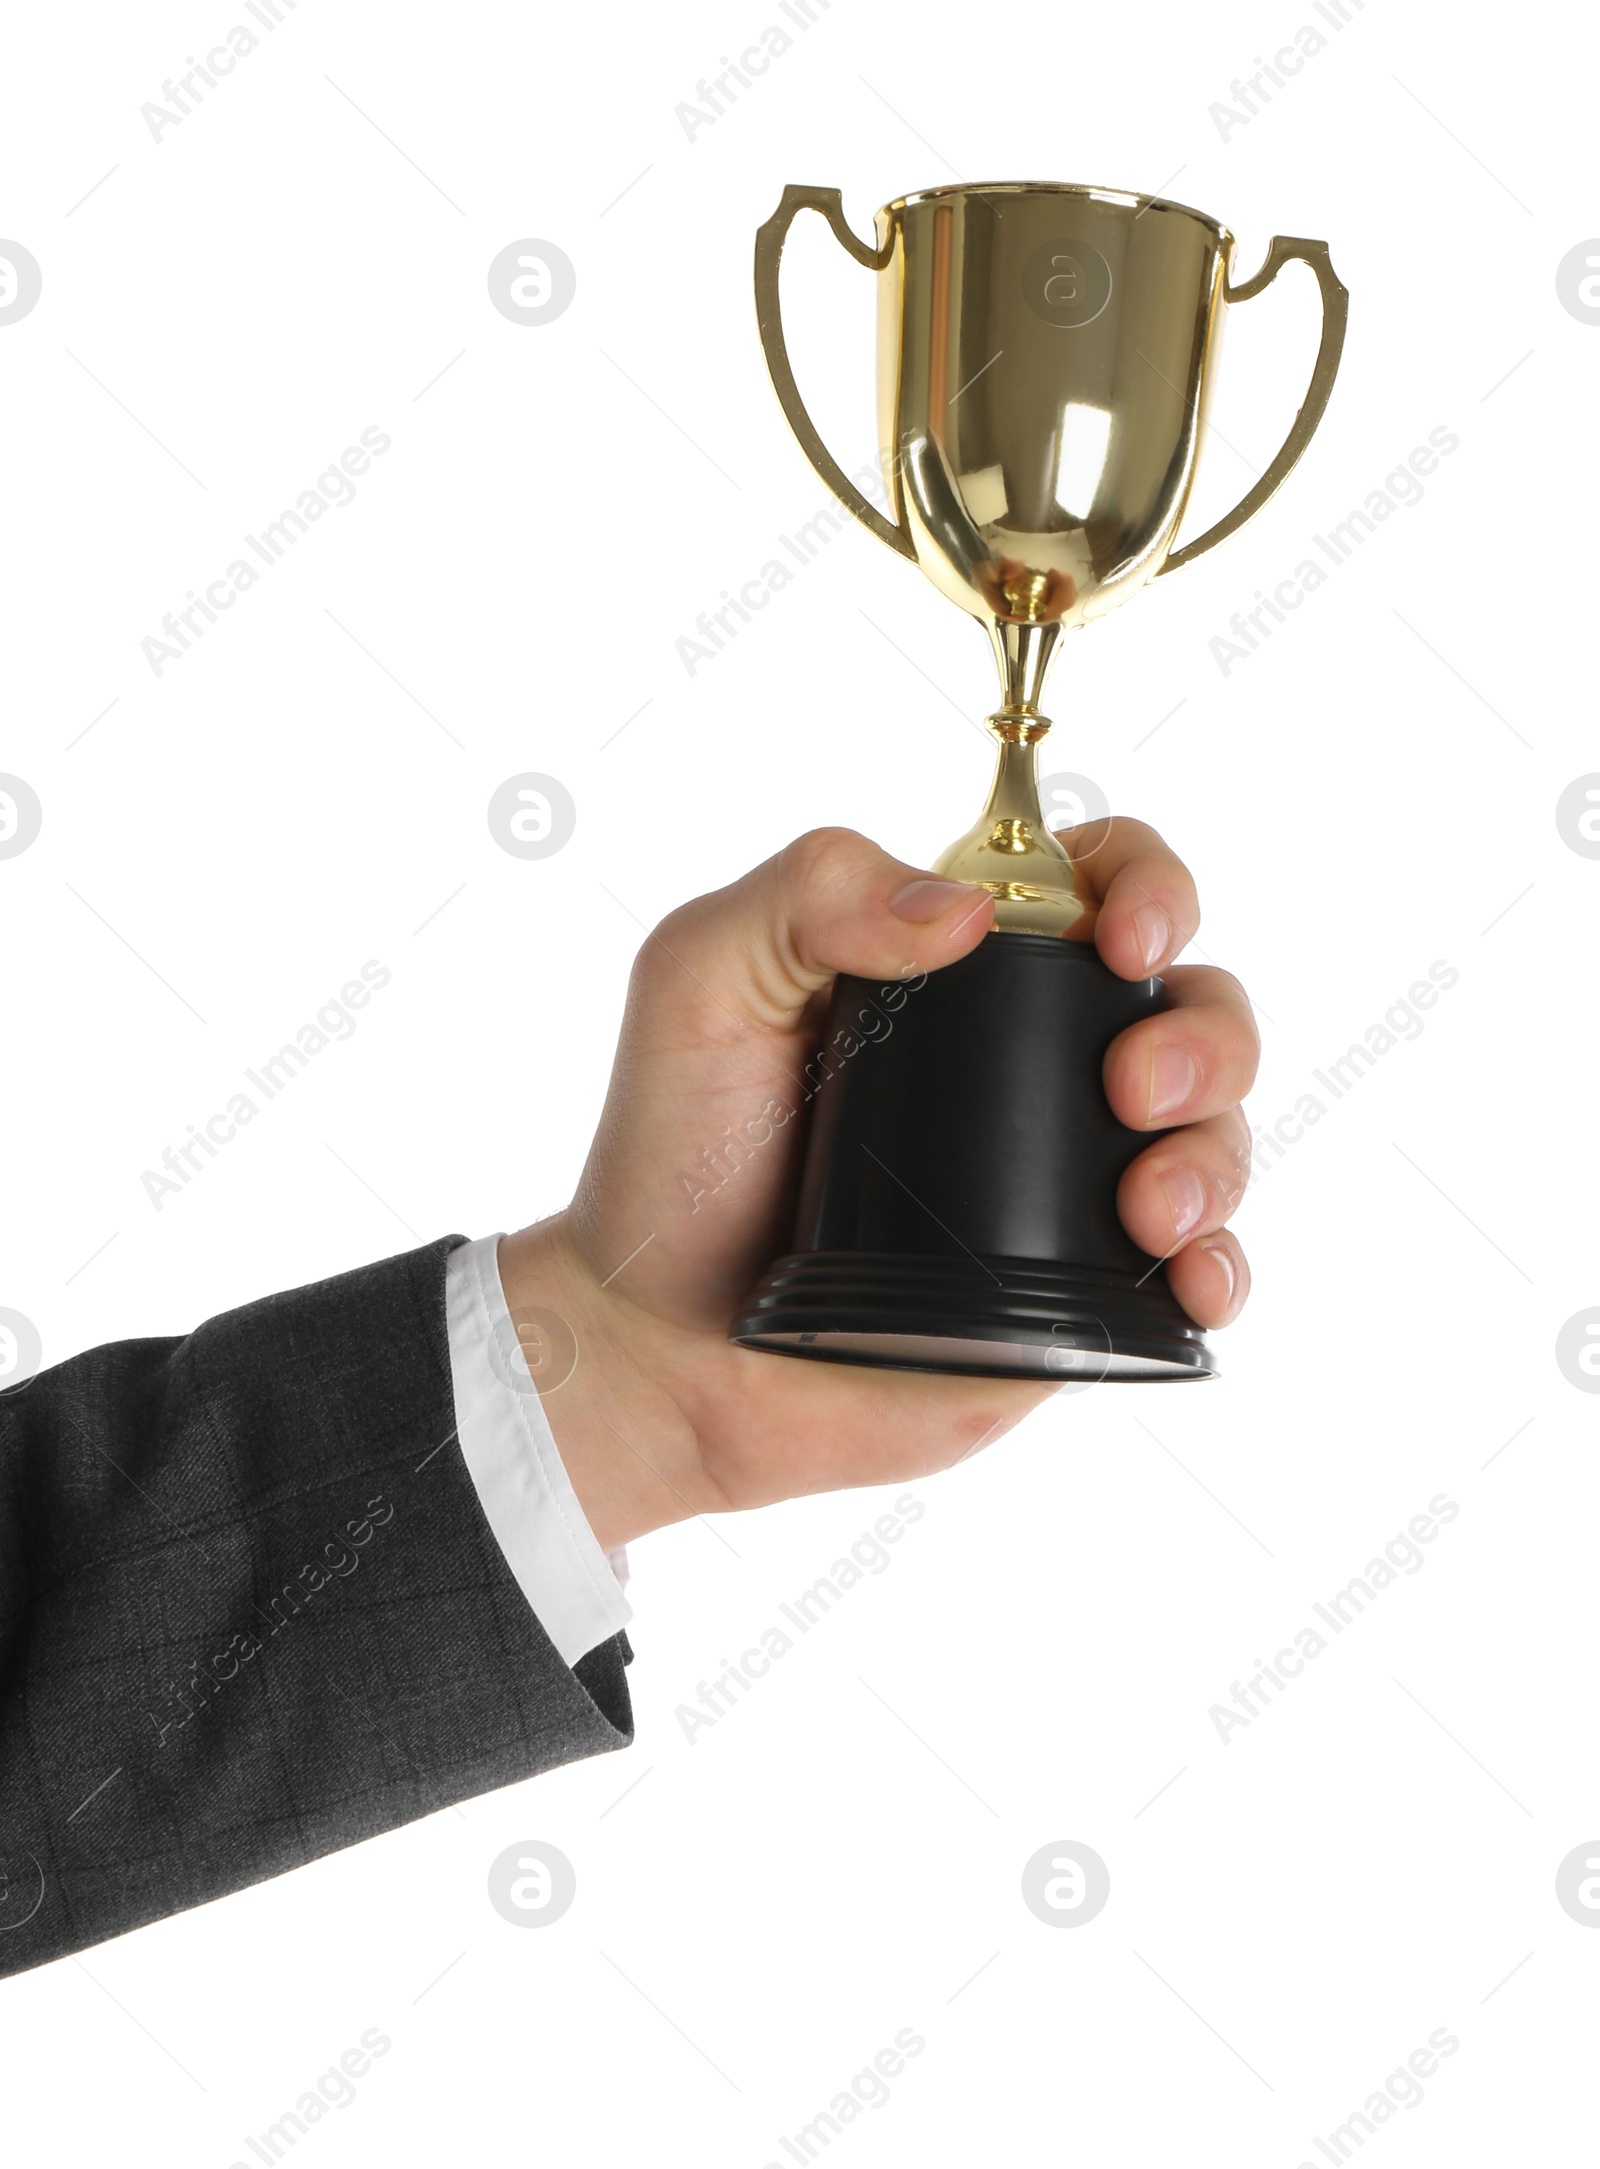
[[689, 1185]]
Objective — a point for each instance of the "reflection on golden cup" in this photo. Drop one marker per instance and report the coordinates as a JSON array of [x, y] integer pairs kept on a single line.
[[1045, 361]]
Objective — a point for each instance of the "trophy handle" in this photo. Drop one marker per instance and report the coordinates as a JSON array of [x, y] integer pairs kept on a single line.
[[1335, 311], [769, 319]]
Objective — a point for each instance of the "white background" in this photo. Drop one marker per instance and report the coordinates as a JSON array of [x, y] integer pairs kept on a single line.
[[1371, 791]]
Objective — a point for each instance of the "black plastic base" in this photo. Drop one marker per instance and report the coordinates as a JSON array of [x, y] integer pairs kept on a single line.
[[958, 1207], [984, 1317]]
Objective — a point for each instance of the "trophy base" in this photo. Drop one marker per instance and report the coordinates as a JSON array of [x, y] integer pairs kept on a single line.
[[976, 1317], [958, 1205]]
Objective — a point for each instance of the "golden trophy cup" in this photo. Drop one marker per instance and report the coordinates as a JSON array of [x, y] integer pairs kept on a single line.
[[1045, 362]]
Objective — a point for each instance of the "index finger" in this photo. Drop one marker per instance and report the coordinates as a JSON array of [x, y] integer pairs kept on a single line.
[[1148, 908]]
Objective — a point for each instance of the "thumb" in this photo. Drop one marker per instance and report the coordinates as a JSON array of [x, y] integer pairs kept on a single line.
[[757, 951]]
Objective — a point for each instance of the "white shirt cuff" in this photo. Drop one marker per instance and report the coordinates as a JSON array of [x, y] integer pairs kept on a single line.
[[511, 1455]]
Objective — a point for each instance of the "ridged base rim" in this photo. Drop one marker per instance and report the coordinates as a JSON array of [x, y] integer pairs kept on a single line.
[[977, 1317]]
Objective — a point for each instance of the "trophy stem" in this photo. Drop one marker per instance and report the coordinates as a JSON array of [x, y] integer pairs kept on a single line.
[[1024, 652], [1010, 850]]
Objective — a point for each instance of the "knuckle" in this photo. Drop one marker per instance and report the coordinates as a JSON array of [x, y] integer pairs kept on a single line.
[[672, 932], [1234, 1176], [825, 858], [1250, 1054], [1138, 836], [679, 936], [1221, 990]]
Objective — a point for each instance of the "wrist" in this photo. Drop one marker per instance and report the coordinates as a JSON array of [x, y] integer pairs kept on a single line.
[[628, 1450]]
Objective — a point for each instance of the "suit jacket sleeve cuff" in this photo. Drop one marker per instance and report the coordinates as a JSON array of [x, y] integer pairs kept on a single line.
[[511, 1455]]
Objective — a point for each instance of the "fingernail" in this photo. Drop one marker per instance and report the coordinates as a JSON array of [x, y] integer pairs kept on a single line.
[[1186, 1199], [1153, 930], [1230, 1272], [927, 896], [1174, 1073]]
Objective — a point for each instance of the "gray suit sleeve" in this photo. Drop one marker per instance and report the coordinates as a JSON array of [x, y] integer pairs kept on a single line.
[[251, 1611]]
